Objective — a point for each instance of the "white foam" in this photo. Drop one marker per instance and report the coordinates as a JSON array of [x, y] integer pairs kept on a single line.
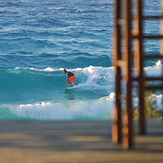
[[96, 78], [155, 70], [66, 110], [17, 68], [89, 78], [48, 69], [90, 69], [94, 71], [60, 8], [159, 101]]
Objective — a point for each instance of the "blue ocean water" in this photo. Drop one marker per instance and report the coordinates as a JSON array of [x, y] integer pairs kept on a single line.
[[38, 39]]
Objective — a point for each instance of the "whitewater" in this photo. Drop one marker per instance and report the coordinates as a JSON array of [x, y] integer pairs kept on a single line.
[[39, 39]]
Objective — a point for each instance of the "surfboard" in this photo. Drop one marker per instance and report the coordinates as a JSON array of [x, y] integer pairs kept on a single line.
[[72, 87], [69, 88]]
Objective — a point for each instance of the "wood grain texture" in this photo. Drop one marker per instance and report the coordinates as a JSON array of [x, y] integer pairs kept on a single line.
[[75, 142]]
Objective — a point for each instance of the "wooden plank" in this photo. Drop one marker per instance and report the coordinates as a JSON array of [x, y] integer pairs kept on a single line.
[[152, 37], [153, 17], [153, 56], [154, 87], [75, 142], [128, 136], [120, 63], [153, 78]]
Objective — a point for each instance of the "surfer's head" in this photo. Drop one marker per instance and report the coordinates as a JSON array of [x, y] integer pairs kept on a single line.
[[64, 71]]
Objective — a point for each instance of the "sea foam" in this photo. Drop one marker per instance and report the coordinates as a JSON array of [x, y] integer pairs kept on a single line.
[[67, 110]]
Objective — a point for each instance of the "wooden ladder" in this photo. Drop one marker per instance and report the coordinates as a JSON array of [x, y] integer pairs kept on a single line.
[[124, 59]]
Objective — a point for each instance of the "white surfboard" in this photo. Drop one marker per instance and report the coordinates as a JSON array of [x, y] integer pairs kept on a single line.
[[72, 87]]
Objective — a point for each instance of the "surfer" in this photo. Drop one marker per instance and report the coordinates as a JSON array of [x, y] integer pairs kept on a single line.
[[70, 77]]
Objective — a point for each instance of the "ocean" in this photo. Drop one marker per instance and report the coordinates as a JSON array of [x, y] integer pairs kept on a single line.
[[38, 39]]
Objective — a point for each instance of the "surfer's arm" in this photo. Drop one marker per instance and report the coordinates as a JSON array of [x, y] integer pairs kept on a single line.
[[67, 78], [66, 81]]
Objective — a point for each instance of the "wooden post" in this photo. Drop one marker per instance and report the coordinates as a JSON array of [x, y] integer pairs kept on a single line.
[[161, 48], [140, 67], [161, 28], [128, 139], [117, 127]]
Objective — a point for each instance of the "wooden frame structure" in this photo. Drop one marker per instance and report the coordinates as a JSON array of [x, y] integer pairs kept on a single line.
[[125, 37]]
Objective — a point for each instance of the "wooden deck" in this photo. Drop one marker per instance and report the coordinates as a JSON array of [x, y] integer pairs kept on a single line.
[[75, 142]]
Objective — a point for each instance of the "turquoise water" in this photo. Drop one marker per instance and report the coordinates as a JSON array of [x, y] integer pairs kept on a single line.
[[38, 39]]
